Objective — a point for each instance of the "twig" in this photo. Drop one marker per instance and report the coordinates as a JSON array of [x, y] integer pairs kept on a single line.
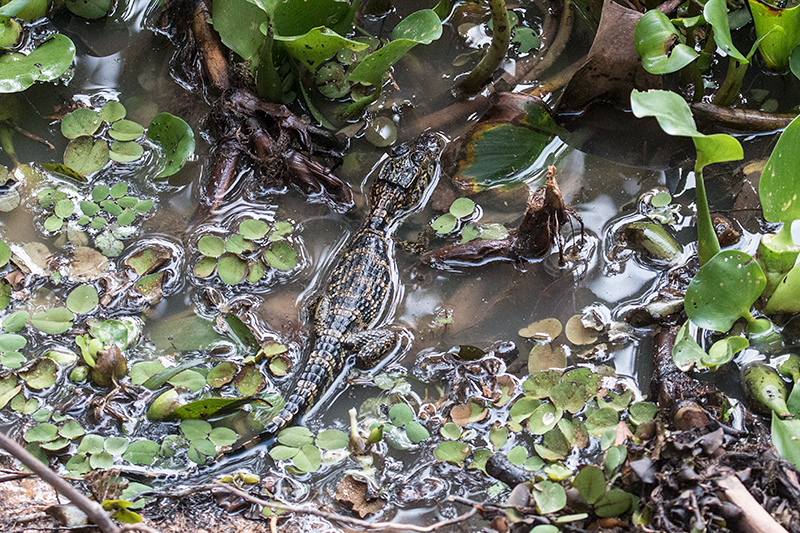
[[137, 527], [92, 509], [755, 519], [347, 519]]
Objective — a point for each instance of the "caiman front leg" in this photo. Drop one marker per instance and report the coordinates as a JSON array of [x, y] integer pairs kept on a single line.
[[371, 346]]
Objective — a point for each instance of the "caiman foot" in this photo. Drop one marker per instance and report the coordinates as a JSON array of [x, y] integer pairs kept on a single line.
[[371, 346]]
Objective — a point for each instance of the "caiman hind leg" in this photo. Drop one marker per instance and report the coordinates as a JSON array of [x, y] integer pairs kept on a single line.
[[371, 346]]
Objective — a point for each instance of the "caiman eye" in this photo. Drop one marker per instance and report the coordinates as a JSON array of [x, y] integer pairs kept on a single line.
[[417, 157]]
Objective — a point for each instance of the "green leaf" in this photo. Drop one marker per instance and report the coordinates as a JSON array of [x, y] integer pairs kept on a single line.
[[5, 254], [71, 430], [281, 256], [41, 374], [420, 27], [125, 151], [332, 439], [780, 30], [544, 418], [64, 208], [641, 412], [777, 188], [723, 290], [211, 246], [660, 45], [91, 444], [317, 45], [296, 437], [176, 139], [523, 409], [723, 351], [99, 192], [80, 122], [90, 9], [53, 321], [591, 483], [785, 437], [188, 379], [83, 299], [125, 130], [203, 408], [601, 420], [785, 298], [222, 436], [549, 497], [249, 381], [85, 155], [195, 429], [12, 359], [10, 342], [253, 229], [141, 452], [400, 414], [112, 111], [15, 321], [670, 109], [222, 374], [45, 63], [41, 433], [444, 224], [116, 445], [101, 461], [613, 503], [451, 431], [238, 23], [308, 459], [232, 269], [452, 451], [716, 148], [716, 13], [568, 396], [416, 432]]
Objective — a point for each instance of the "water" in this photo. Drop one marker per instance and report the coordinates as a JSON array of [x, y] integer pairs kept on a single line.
[[438, 311]]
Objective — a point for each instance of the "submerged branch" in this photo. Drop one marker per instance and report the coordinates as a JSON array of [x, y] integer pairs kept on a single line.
[[740, 120], [501, 38], [348, 519]]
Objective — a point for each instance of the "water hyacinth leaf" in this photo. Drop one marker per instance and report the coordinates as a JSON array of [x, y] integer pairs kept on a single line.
[[716, 13], [332, 439], [451, 431], [641, 412], [777, 188], [141, 452], [686, 352], [195, 429], [723, 351], [125, 151], [452, 451], [421, 27], [176, 139], [249, 381], [80, 122], [46, 62], [223, 436], [83, 299], [222, 374], [400, 414], [112, 111], [416, 432], [297, 18], [71, 430], [281, 256], [780, 29], [660, 45], [141, 372], [444, 224], [317, 45], [296, 437], [601, 420], [41, 433], [188, 379], [253, 229], [10, 342], [90, 9], [232, 269], [549, 497], [85, 155], [591, 483], [462, 208], [724, 290], [543, 419]]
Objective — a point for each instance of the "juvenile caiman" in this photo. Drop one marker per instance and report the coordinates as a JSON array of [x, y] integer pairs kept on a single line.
[[360, 287]]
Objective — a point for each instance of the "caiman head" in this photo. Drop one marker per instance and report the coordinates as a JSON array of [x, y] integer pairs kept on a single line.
[[406, 177]]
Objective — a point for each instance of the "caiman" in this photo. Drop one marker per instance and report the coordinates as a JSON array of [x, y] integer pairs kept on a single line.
[[360, 287]]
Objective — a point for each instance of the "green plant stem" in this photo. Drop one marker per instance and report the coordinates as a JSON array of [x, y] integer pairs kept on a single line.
[[268, 81], [732, 83], [7, 142], [707, 243], [501, 38], [783, 239]]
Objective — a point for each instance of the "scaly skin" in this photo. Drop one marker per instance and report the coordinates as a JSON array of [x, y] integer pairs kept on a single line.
[[360, 286]]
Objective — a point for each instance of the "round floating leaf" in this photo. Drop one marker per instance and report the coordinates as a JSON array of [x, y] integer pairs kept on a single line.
[[141, 452], [545, 330], [569, 396], [253, 230], [222, 374], [85, 156], [41, 433], [116, 445], [176, 139], [416, 432], [64, 208], [112, 111], [41, 374], [99, 222], [517, 455], [71, 430], [10, 342], [451, 431], [279, 366], [89, 208], [545, 357], [543, 419], [141, 372], [308, 459], [5, 254], [211, 246], [498, 437], [119, 190], [249, 381], [91, 444], [125, 151], [55, 445], [444, 224], [332, 439], [472, 411], [100, 192], [591, 483], [282, 229], [523, 409], [188, 379], [613, 503], [143, 206], [237, 245], [125, 130], [83, 299], [46, 62], [127, 202], [53, 224], [470, 232], [205, 267], [53, 321], [101, 461], [452, 451], [601, 420], [79, 123], [281, 256], [232, 269], [724, 290], [549, 497], [195, 429], [578, 333], [283, 453], [296, 437], [12, 359], [126, 217], [400, 414], [223, 436], [538, 385], [642, 412], [462, 208], [90, 9]]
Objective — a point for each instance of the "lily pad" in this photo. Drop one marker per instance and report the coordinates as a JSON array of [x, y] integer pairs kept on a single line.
[[83, 299], [462, 208], [544, 418], [253, 229], [125, 151], [296, 437], [249, 381], [222, 374], [547, 330]]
